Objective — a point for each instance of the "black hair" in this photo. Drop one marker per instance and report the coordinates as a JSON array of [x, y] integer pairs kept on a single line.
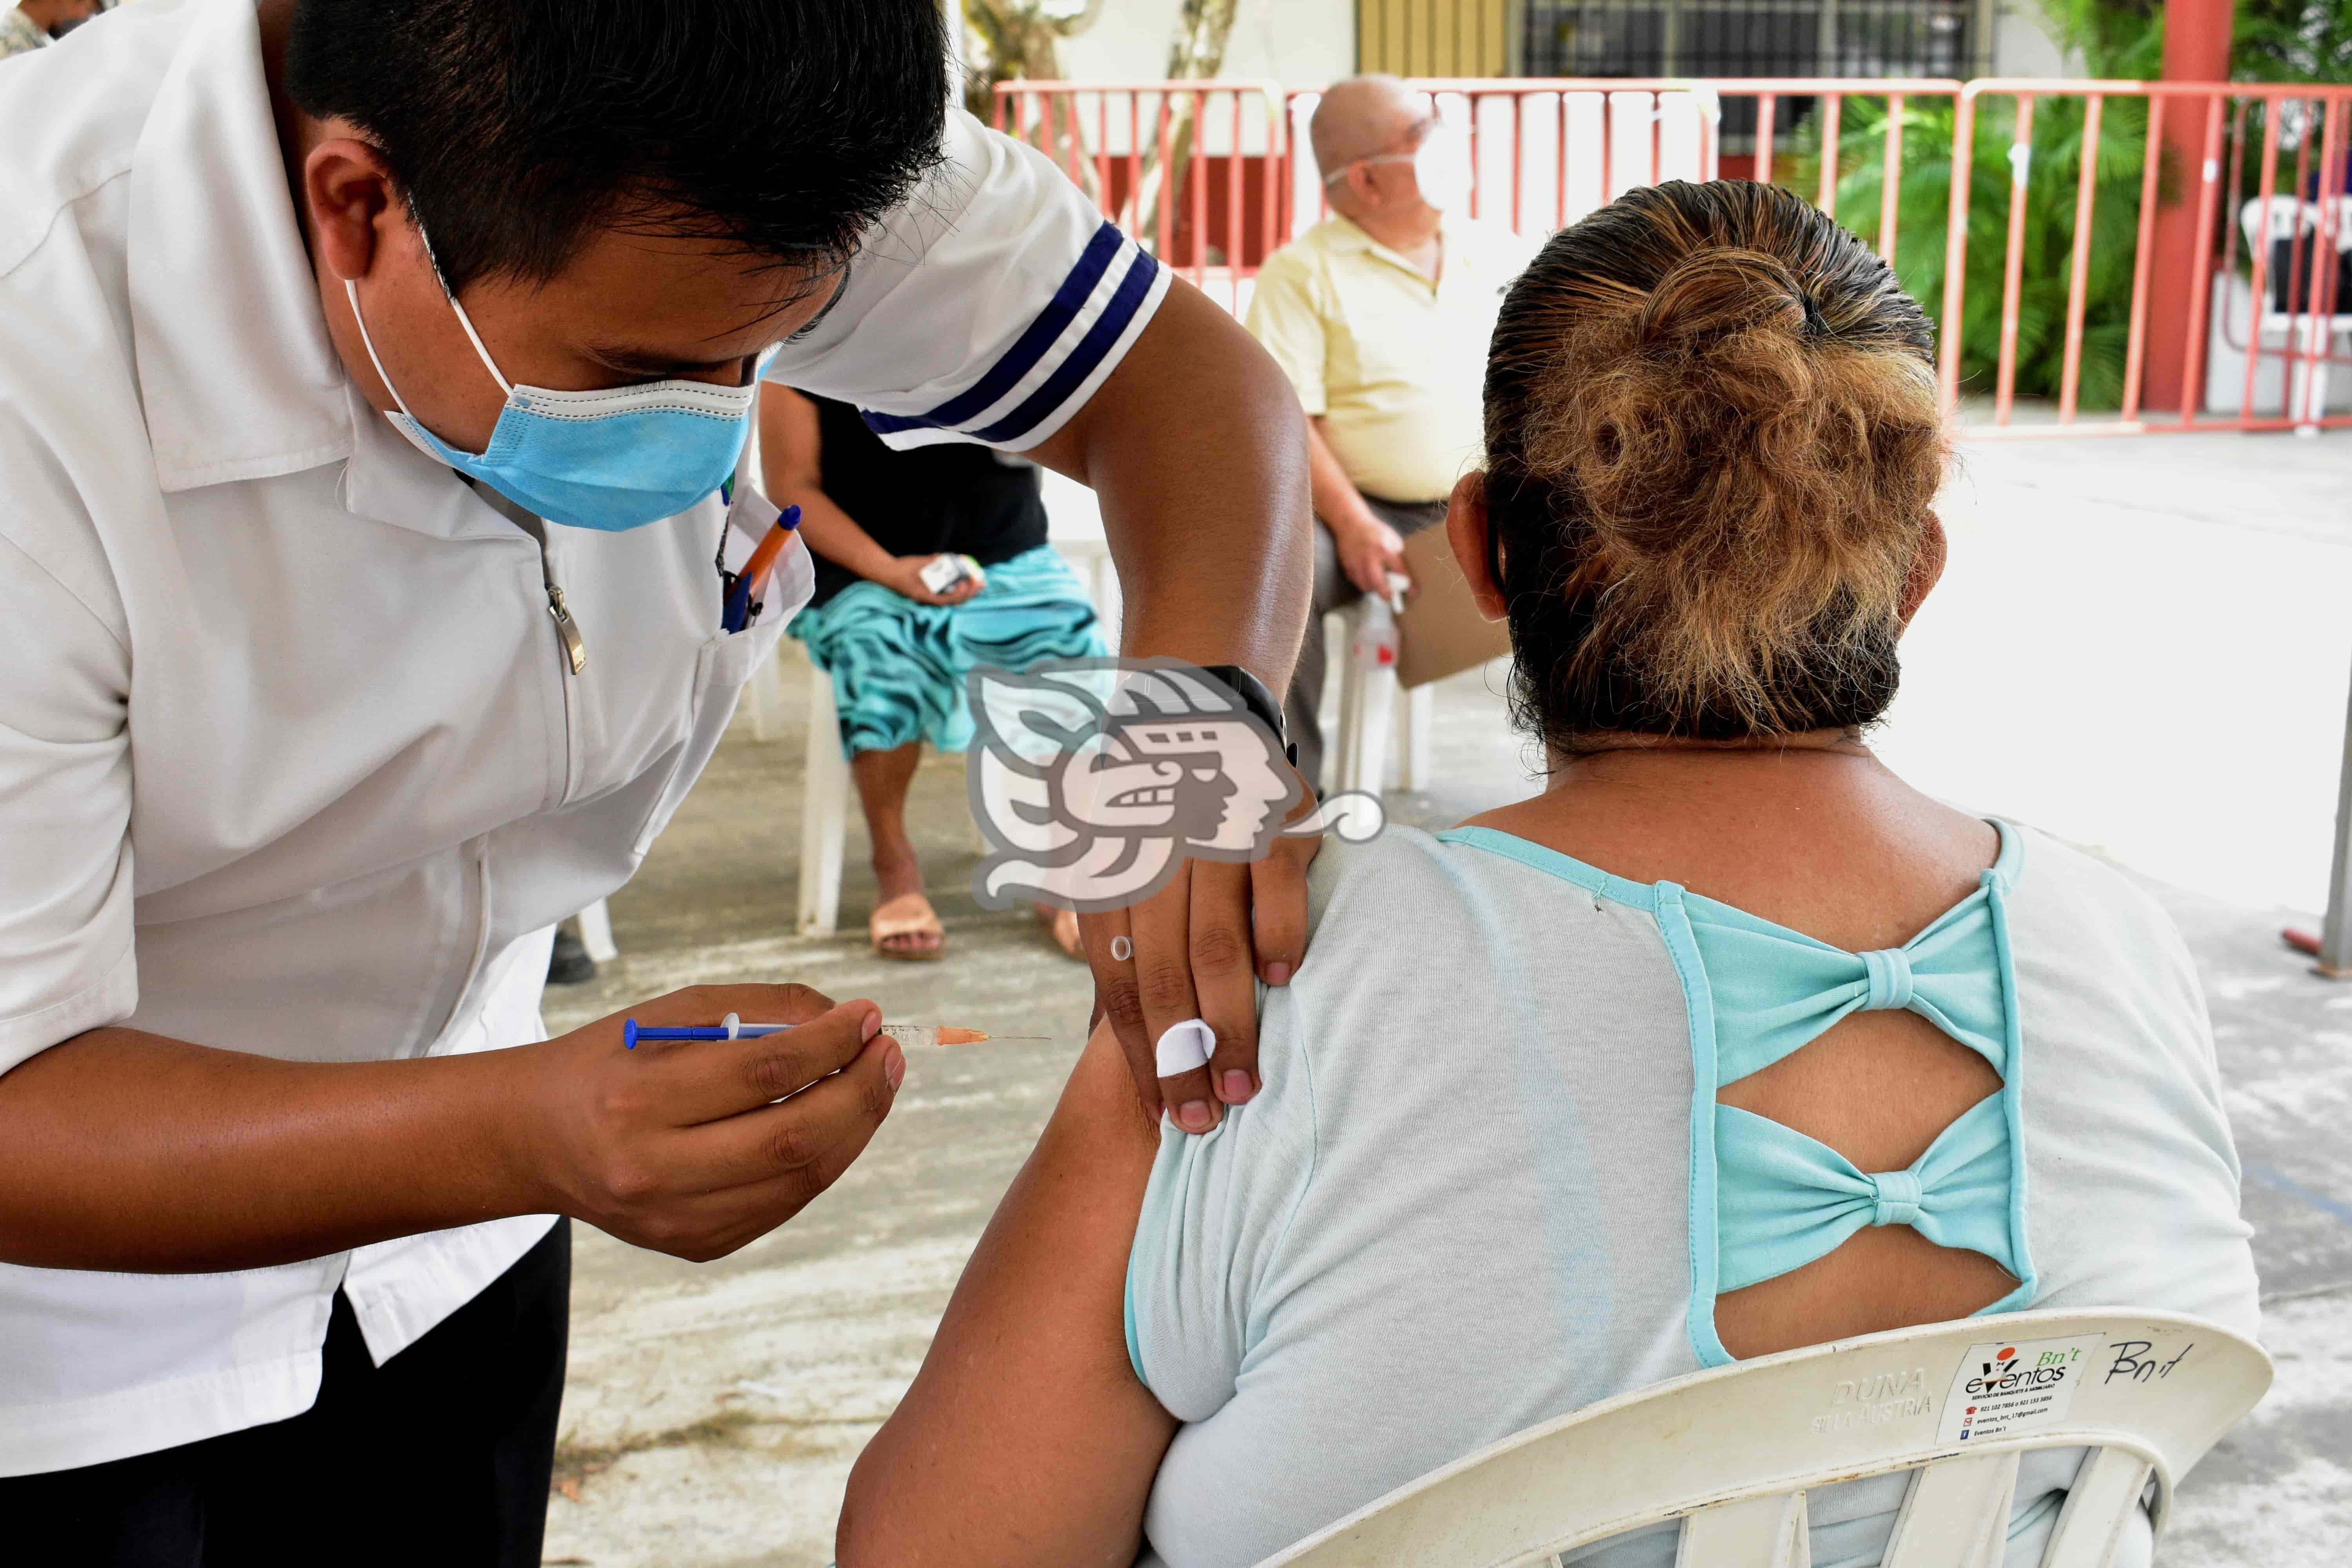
[[514, 129], [1713, 445]]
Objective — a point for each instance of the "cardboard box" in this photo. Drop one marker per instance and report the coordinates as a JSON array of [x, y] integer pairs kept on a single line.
[[1440, 632]]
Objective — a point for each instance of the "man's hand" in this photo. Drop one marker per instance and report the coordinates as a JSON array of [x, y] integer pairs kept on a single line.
[[696, 1147], [1195, 949], [1370, 550], [905, 575], [127, 1150], [1196, 448]]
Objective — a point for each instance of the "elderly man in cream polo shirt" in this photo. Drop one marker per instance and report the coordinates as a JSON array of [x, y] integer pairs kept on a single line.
[[1380, 315]]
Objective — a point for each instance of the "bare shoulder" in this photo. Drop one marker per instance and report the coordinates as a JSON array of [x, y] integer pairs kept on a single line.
[[1099, 1112]]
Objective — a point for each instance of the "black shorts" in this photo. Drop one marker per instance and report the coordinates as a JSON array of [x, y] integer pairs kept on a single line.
[[439, 1457]]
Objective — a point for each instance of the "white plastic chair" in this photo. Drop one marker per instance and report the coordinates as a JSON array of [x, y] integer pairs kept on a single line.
[[2288, 216], [824, 811], [597, 933], [1732, 1451], [1367, 713]]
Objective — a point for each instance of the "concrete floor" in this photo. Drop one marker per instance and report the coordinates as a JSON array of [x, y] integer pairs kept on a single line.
[[2156, 629]]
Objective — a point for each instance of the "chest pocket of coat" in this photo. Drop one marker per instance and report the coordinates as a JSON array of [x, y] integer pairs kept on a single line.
[[720, 670]]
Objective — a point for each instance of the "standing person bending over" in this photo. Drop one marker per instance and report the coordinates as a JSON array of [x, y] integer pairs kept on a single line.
[[898, 651], [368, 376], [1379, 315]]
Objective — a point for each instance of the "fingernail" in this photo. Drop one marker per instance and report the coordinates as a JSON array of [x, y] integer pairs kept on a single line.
[[1238, 1087], [894, 1066], [866, 1030], [1193, 1116], [1277, 975]]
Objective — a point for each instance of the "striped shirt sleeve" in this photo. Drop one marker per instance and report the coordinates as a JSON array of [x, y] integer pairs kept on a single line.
[[987, 308]]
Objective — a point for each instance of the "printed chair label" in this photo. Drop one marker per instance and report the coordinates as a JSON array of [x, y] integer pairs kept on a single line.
[[2008, 1386]]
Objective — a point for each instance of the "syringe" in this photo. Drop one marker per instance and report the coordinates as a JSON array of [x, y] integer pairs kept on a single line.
[[732, 1027]]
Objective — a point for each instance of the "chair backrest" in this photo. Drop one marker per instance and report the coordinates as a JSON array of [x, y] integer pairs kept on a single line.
[[2287, 214], [1731, 1452]]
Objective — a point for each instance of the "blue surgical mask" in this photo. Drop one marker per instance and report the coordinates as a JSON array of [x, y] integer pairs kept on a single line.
[[613, 459]]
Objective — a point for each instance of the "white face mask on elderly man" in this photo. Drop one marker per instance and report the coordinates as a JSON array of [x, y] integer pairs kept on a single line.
[[1441, 167]]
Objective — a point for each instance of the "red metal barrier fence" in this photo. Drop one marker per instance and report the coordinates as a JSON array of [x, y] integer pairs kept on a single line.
[[1192, 169], [2260, 282], [2061, 179]]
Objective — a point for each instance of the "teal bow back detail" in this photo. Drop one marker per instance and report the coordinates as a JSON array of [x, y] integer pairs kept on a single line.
[[1765, 1198], [1787, 1199], [1776, 989]]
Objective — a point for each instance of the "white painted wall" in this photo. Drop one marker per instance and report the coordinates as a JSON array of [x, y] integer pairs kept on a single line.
[[2022, 44], [1299, 42], [1307, 43], [1282, 43]]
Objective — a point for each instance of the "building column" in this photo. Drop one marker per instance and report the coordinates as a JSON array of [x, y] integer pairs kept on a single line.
[[2196, 49]]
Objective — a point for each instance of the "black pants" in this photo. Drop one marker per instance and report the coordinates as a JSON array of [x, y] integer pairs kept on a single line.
[[439, 1457]]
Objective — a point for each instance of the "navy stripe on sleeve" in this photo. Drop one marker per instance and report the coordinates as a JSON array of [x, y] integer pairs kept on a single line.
[[1026, 350], [1107, 331]]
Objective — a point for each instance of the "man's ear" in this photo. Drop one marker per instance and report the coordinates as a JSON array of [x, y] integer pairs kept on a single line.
[[349, 192], [1466, 527], [1927, 568]]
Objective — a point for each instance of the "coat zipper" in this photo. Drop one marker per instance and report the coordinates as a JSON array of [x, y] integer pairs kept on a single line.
[[575, 659], [575, 647], [567, 632]]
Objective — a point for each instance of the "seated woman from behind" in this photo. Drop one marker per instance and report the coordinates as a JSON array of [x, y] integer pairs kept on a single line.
[[1728, 1042]]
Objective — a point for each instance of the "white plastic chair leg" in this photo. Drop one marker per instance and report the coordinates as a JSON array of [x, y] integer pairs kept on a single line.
[[824, 811], [1753, 1532], [2314, 394], [1339, 736], [1956, 1514], [597, 933], [767, 695], [1365, 753], [2297, 341], [1415, 739]]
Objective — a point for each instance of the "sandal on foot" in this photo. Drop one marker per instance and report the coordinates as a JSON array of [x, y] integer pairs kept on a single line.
[[909, 914]]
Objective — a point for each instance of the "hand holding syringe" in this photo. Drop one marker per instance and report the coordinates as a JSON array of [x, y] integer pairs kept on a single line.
[[696, 1151]]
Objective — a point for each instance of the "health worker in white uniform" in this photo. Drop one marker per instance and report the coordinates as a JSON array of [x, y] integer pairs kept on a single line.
[[371, 377]]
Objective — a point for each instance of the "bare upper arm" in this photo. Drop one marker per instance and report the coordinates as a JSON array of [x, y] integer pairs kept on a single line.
[[791, 445], [1026, 1438], [1191, 351]]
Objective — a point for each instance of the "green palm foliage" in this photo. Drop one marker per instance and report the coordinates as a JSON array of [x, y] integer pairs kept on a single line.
[[2276, 41], [2118, 39], [2046, 274]]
